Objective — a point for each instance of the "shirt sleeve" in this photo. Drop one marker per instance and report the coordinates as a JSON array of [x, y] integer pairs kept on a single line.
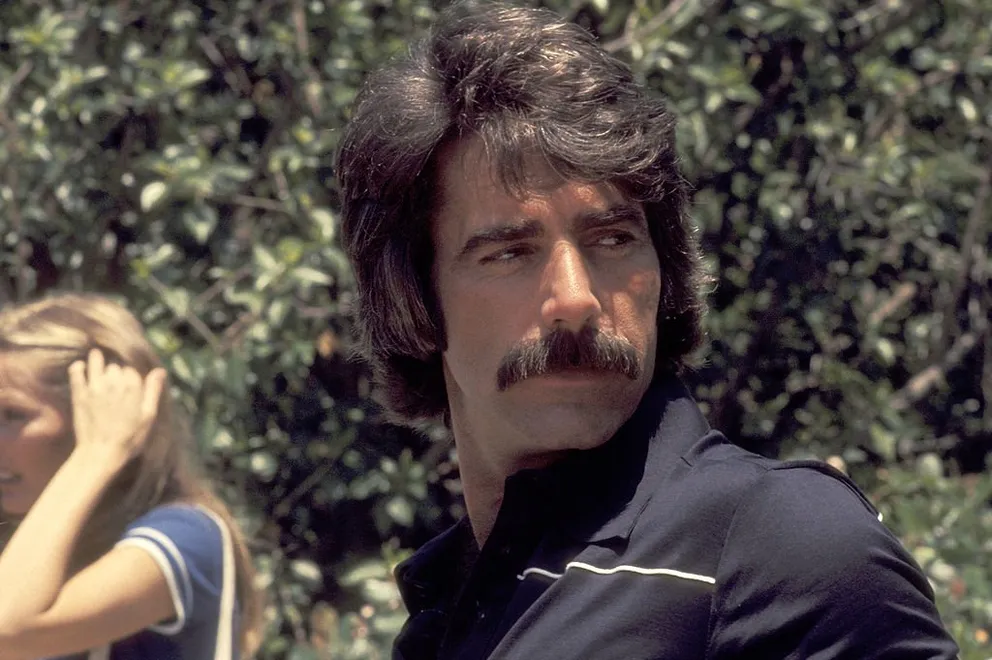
[[808, 571], [187, 546]]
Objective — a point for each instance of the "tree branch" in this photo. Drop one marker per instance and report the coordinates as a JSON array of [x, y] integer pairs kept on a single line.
[[191, 318], [219, 286], [310, 90], [631, 37], [921, 384], [903, 294], [236, 79], [15, 81], [286, 504], [976, 218]]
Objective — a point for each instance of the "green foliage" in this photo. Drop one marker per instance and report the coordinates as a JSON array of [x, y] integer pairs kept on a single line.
[[946, 524], [178, 155]]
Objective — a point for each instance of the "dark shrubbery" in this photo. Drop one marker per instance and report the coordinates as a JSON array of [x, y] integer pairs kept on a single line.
[[178, 155]]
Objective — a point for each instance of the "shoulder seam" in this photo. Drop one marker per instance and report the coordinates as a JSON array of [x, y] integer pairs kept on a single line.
[[829, 471], [723, 547]]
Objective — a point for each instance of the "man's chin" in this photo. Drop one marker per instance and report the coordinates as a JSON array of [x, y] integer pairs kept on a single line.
[[565, 426], [578, 414]]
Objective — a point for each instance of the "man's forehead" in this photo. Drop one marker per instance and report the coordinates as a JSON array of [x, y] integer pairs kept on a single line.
[[472, 190], [468, 165]]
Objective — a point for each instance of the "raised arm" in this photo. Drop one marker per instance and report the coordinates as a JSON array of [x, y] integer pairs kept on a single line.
[[41, 613]]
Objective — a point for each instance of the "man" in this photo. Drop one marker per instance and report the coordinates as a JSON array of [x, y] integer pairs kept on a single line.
[[527, 273]]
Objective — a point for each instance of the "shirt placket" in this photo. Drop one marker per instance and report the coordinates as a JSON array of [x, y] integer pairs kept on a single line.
[[482, 605]]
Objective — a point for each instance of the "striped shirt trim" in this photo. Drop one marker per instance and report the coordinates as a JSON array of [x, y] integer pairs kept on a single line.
[[158, 555], [225, 631], [169, 546], [670, 572]]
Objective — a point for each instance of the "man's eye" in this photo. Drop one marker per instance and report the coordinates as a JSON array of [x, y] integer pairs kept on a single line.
[[506, 254], [615, 239]]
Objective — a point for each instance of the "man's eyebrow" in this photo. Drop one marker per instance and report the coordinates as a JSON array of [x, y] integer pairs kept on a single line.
[[524, 229], [614, 215], [505, 233]]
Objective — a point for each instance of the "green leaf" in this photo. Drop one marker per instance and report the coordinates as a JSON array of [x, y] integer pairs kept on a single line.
[[363, 571], [152, 194], [201, 222], [308, 275], [264, 465], [307, 572], [400, 510], [325, 222]]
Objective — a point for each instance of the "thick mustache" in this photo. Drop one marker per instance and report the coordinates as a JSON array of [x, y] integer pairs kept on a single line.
[[561, 350]]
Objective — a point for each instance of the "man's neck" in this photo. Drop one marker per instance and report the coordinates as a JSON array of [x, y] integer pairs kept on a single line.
[[483, 498], [483, 484]]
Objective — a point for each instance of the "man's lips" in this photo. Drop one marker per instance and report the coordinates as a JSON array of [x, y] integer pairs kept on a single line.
[[573, 374]]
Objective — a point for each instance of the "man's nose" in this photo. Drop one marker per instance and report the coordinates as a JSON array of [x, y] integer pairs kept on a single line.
[[571, 302]]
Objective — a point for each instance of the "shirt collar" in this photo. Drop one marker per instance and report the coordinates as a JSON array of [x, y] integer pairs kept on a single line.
[[598, 494], [591, 496], [425, 579]]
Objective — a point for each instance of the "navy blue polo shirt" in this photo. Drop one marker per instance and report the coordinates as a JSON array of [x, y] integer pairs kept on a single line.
[[669, 542]]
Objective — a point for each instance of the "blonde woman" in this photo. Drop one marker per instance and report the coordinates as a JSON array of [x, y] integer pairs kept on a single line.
[[111, 545]]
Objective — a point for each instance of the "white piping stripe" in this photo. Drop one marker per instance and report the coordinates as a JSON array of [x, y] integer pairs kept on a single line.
[[619, 569], [539, 571], [170, 547], [163, 563], [225, 633]]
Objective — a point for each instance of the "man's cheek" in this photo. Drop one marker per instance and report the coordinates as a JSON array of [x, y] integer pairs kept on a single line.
[[645, 286]]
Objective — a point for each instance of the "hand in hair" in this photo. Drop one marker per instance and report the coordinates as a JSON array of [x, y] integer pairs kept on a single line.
[[113, 407]]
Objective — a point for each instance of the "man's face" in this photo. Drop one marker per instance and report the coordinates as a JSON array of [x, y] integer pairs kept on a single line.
[[550, 303]]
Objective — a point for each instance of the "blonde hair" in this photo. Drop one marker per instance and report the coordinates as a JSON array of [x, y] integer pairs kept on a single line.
[[50, 334]]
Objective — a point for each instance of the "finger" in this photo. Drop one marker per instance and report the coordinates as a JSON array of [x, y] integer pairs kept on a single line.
[[94, 369], [77, 381], [152, 393], [126, 381], [130, 378], [114, 375]]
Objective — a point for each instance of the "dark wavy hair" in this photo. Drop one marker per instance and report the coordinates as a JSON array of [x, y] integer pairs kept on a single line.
[[526, 82]]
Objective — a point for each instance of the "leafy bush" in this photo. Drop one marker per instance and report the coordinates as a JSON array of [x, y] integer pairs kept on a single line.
[[178, 155]]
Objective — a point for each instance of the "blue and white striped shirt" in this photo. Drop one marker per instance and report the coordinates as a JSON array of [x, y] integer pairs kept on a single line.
[[192, 547]]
